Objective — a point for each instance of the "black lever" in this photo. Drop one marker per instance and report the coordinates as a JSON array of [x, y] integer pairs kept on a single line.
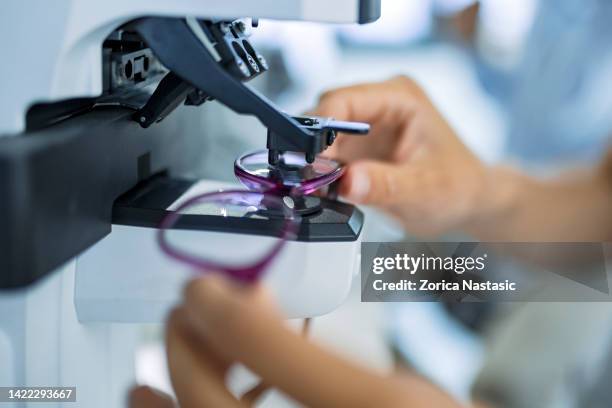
[[171, 92], [216, 60], [325, 128], [178, 48]]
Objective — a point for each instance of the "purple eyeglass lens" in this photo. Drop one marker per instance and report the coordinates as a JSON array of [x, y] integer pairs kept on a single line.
[[190, 237], [292, 174]]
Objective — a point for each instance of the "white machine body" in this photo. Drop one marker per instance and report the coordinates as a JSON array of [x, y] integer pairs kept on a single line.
[[54, 47], [68, 329], [127, 278]]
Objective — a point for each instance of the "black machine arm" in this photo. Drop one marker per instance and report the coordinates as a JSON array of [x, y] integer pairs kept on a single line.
[[325, 128], [213, 60]]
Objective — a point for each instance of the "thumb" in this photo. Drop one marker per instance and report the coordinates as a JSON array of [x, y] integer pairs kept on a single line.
[[146, 397], [374, 182], [234, 323], [234, 317], [223, 305]]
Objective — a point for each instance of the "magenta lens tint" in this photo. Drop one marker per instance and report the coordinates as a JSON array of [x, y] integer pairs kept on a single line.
[[241, 256], [293, 175], [274, 195]]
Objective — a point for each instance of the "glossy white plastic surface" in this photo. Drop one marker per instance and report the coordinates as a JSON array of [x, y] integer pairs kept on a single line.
[[126, 278]]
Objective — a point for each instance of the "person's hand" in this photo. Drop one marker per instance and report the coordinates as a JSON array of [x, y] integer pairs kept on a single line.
[[412, 164], [221, 323]]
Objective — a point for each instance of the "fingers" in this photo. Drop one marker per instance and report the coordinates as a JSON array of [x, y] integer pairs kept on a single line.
[[238, 324], [368, 102], [196, 371], [238, 320], [228, 309], [387, 106], [147, 397], [281, 357], [378, 183]]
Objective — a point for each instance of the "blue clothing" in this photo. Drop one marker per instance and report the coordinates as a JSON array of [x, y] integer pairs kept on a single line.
[[560, 107]]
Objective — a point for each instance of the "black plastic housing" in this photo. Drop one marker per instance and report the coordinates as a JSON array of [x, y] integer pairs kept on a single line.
[[145, 206], [58, 185]]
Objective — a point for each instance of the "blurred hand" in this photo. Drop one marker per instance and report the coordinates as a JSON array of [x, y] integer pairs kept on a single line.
[[412, 164], [221, 323]]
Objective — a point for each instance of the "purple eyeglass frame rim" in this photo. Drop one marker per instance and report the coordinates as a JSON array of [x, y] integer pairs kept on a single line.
[[248, 273], [305, 188]]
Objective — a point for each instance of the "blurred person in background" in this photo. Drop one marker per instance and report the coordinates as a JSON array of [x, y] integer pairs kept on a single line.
[[554, 81], [420, 172], [558, 99], [558, 96]]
